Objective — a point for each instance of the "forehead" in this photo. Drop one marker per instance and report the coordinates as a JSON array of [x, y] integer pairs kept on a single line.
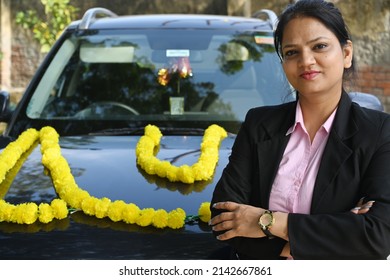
[[305, 28]]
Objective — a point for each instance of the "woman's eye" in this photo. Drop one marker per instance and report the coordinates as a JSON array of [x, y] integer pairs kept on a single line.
[[290, 53], [320, 46]]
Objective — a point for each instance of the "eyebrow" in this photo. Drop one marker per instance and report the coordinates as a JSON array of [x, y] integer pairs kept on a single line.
[[308, 42]]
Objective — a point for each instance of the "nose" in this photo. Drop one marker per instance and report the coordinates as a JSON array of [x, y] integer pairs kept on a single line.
[[306, 58]]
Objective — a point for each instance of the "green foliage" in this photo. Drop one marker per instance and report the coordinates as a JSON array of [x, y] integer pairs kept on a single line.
[[58, 14]]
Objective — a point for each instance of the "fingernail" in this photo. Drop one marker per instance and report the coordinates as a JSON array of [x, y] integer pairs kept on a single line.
[[356, 208], [366, 206], [214, 205]]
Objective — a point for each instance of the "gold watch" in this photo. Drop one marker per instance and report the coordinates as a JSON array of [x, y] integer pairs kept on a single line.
[[266, 221]]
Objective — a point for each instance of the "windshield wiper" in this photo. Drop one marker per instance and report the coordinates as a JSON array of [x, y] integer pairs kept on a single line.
[[119, 131], [140, 131], [181, 131]]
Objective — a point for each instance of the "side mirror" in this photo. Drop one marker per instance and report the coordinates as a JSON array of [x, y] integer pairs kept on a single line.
[[5, 112], [367, 100]]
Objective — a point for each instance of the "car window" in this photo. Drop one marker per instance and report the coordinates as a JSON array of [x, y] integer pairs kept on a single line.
[[160, 75]]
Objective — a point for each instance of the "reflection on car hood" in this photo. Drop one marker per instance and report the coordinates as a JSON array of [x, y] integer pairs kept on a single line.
[[105, 166]]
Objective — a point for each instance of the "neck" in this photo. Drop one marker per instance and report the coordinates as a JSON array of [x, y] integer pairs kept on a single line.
[[316, 111]]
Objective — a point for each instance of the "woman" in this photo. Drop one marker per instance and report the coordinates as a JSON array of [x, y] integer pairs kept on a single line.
[[297, 169]]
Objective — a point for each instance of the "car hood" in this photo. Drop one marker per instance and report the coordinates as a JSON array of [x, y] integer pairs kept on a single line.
[[105, 166]]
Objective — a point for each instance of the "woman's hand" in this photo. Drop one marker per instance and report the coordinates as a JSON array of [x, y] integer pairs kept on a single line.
[[361, 208], [286, 252], [238, 220]]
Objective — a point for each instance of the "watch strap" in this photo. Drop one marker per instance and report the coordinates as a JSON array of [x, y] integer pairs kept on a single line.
[[267, 233]]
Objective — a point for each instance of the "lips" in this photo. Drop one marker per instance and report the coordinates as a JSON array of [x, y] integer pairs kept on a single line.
[[309, 75]]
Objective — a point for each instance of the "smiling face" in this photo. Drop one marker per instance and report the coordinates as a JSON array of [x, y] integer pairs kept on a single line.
[[313, 58]]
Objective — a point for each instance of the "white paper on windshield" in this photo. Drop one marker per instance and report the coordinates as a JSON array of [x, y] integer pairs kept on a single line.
[[178, 53]]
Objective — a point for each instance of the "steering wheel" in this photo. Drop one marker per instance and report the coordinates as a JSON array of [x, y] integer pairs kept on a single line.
[[104, 107]]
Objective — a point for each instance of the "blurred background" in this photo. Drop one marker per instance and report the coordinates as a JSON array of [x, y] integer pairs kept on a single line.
[[23, 46]]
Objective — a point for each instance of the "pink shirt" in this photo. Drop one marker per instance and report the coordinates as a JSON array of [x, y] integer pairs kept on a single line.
[[292, 189]]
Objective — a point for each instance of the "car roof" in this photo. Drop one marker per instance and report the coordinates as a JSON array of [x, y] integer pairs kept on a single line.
[[168, 21]]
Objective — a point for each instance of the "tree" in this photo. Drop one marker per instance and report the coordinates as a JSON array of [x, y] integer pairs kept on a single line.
[[58, 14]]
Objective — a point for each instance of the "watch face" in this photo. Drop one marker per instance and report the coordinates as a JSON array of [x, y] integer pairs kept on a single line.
[[266, 219]]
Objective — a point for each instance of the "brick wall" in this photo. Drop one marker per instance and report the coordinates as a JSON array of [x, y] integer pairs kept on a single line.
[[375, 79]]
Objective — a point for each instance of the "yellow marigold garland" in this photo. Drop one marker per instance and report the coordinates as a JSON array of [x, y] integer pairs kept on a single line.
[[68, 190], [203, 169], [71, 195], [25, 213]]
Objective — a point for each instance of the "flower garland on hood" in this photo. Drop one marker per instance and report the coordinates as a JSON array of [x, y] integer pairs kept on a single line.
[[25, 213], [203, 169], [71, 195]]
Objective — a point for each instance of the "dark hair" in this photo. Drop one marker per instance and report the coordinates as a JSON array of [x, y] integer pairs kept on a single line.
[[327, 13]]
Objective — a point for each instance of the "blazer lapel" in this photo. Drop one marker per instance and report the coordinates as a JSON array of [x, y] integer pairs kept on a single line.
[[270, 150], [336, 151]]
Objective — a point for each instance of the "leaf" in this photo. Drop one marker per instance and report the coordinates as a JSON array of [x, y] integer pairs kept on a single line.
[[58, 15]]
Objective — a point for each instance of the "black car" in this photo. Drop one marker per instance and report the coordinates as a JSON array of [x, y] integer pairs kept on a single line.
[[116, 146]]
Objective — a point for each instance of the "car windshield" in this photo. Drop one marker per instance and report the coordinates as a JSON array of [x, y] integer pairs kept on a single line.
[[169, 77]]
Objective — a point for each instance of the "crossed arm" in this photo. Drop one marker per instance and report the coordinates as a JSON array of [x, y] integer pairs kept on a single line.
[[242, 220]]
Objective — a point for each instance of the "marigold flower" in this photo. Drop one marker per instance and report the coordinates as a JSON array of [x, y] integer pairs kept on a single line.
[[101, 207], [88, 205], [131, 213], [204, 212], [60, 211], [160, 218], [25, 213], [116, 209], [145, 217], [176, 218], [45, 213], [6, 211]]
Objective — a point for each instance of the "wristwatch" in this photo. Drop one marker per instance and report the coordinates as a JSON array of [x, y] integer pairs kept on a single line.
[[266, 221]]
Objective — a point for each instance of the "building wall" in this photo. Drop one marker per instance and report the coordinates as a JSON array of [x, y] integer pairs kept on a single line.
[[368, 21]]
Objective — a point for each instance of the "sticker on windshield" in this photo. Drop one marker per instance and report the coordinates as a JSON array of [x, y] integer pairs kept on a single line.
[[264, 40], [178, 53]]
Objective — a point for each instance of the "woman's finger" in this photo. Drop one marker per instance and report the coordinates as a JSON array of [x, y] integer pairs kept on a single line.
[[224, 226], [225, 216], [363, 208], [227, 235], [356, 209], [360, 203], [226, 205]]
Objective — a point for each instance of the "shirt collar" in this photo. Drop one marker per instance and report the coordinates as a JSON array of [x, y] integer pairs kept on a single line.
[[327, 125]]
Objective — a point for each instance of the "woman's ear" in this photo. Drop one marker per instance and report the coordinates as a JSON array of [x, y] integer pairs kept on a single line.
[[348, 54]]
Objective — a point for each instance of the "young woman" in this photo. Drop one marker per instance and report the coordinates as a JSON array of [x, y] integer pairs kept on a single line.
[[309, 179]]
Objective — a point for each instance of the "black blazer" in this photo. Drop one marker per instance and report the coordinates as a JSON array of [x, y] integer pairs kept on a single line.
[[355, 164]]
